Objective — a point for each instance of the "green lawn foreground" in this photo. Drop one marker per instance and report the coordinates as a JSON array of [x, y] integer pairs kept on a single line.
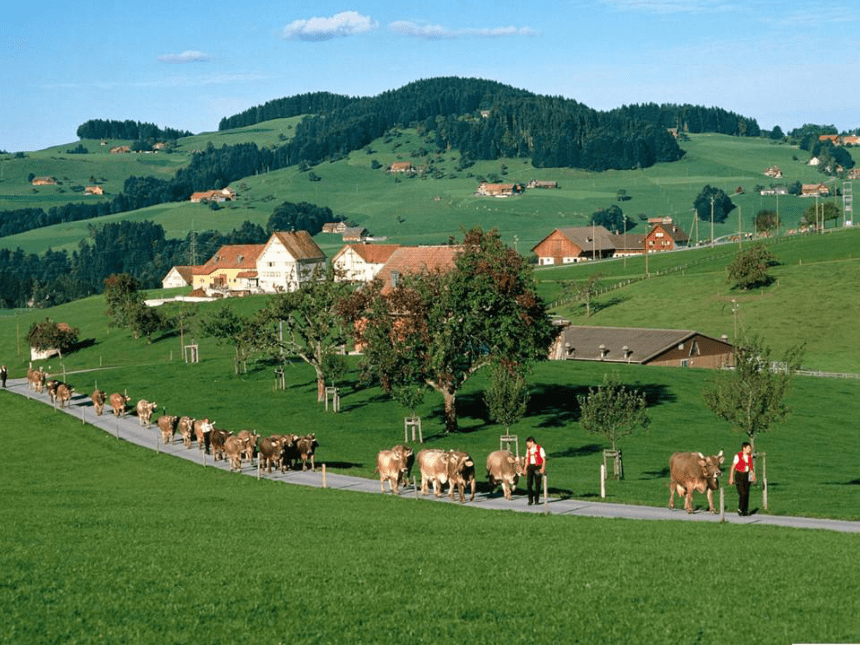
[[104, 541]]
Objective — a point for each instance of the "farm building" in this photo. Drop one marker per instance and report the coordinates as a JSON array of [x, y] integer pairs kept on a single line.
[[665, 347], [94, 190], [287, 260], [575, 244], [178, 276], [44, 181], [813, 190], [224, 195], [354, 234], [498, 190], [232, 269], [774, 171], [401, 166], [361, 262], [334, 227], [409, 260], [538, 183], [628, 244], [665, 235]]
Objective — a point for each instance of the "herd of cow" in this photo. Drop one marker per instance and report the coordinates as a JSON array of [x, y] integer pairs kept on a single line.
[[689, 471], [284, 451]]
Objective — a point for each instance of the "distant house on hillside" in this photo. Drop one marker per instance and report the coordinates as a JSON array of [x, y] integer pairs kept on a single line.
[[94, 190], [575, 244], [361, 262], [401, 166], [409, 260], [774, 171], [499, 190], [354, 234], [539, 183], [628, 244], [223, 195], [119, 150], [664, 347], [334, 227], [665, 235], [812, 190], [44, 181]]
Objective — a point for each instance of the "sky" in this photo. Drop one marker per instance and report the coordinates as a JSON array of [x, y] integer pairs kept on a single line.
[[186, 63]]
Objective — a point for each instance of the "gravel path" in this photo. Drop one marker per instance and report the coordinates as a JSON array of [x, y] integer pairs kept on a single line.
[[129, 429]]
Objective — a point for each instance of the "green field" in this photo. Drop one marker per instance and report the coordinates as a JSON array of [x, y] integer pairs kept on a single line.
[[108, 542], [429, 210]]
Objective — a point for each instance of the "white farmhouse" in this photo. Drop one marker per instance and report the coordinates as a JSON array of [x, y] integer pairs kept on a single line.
[[361, 262], [288, 259]]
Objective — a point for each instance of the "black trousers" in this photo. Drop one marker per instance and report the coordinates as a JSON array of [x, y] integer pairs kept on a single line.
[[742, 481], [533, 478]]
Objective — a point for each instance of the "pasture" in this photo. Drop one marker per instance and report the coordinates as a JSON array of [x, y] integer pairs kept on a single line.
[[105, 541], [428, 209]]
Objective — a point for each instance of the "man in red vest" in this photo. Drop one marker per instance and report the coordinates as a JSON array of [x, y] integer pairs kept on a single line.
[[743, 475], [535, 468]]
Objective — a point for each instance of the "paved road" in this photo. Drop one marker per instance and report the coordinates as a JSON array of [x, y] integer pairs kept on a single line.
[[129, 429]]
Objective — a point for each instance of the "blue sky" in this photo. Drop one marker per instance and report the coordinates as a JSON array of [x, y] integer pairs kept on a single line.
[[186, 64]]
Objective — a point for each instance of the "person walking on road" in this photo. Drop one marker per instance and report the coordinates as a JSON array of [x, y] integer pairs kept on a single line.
[[3, 374], [535, 468], [743, 474]]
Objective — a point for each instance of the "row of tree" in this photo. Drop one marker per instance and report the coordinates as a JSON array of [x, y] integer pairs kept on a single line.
[[134, 130]]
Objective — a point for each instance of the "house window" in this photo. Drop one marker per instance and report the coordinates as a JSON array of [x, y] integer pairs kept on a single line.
[[685, 362]]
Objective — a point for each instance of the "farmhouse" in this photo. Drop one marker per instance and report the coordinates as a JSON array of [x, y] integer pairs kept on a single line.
[[178, 276], [94, 190], [813, 190], [539, 183], [361, 262], [665, 347], [334, 227], [224, 195], [354, 234], [44, 181], [627, 244], [232, 270], [120, 150], [774, 171], [401, 166], [575, 244], [288, 260], [832, 138], [665, 236], [410, 260], [498, 190]]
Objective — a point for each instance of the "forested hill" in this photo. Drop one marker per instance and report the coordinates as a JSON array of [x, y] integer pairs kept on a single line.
[[487, 120]]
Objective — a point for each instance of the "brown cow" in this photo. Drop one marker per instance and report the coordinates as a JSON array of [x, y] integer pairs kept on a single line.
[[144, 412], [693, 471], [186, 430], [51, 386], [98, 398], [64, 395], [117, 403], [505, 469], [234, 447], [202, 428], [306, 446], [461, 473], [35, 379], [433, 465], [217, 439], [252, 438], [167, 425], [272, 451], [392, 466], [410, 457]]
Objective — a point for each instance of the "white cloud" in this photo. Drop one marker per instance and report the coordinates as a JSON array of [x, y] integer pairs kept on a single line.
[[189, 56], [439, 32], [346, 23], [672, 6]]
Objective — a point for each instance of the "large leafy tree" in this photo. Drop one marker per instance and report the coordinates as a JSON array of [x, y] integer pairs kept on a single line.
[[441, 328], [750, 267], [311, 323], [722, 205], [751, 396]]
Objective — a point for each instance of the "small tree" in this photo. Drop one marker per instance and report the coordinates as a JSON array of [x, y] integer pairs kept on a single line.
[[410, 396], [507, 397], [766, 220], [613, 411], [586, 290], [231, 328], [750, 397], [749, 268], [50, 335]]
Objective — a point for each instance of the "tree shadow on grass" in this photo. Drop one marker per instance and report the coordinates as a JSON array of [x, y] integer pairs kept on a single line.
[[341, 465], [606, 304], [655, 474], [581, 451]]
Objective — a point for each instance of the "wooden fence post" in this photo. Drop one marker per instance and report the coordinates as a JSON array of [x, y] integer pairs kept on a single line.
[[602, 481], [722, 504], [545, 502], [324, 479]]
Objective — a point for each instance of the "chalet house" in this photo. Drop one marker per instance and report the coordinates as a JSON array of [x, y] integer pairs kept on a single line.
[[664, 347], [120, 150], [538, 183], [233, 269], [361, 262], [627, 244], [811, 190], [575, 244], [832, 138], [94, 190], [774, 171], [288, 260], [411, 260], [223, 195], [354, 234], [850, 140], [44, 181], [178, 276], [665, 236], [401, 166], [498, 190], [334, 227]]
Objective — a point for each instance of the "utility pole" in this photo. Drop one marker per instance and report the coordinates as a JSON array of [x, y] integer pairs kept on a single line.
[[712, 220], [740, 230]]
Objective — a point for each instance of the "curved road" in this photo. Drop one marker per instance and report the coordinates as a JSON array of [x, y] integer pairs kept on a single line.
[[129, 429]]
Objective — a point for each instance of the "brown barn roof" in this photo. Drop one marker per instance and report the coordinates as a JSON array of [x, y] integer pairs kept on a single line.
[[372, 253], [232, 256], [586, 237], [300, 244], [409, 260], [642, 345]]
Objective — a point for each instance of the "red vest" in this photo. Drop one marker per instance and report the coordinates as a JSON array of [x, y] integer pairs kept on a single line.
[[744, 464], [535, 452]]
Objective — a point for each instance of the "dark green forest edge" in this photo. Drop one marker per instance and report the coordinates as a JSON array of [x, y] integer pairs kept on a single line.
[[483, 120]]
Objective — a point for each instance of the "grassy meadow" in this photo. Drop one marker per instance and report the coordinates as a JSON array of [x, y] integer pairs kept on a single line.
[[108, 542], [428, 210]]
